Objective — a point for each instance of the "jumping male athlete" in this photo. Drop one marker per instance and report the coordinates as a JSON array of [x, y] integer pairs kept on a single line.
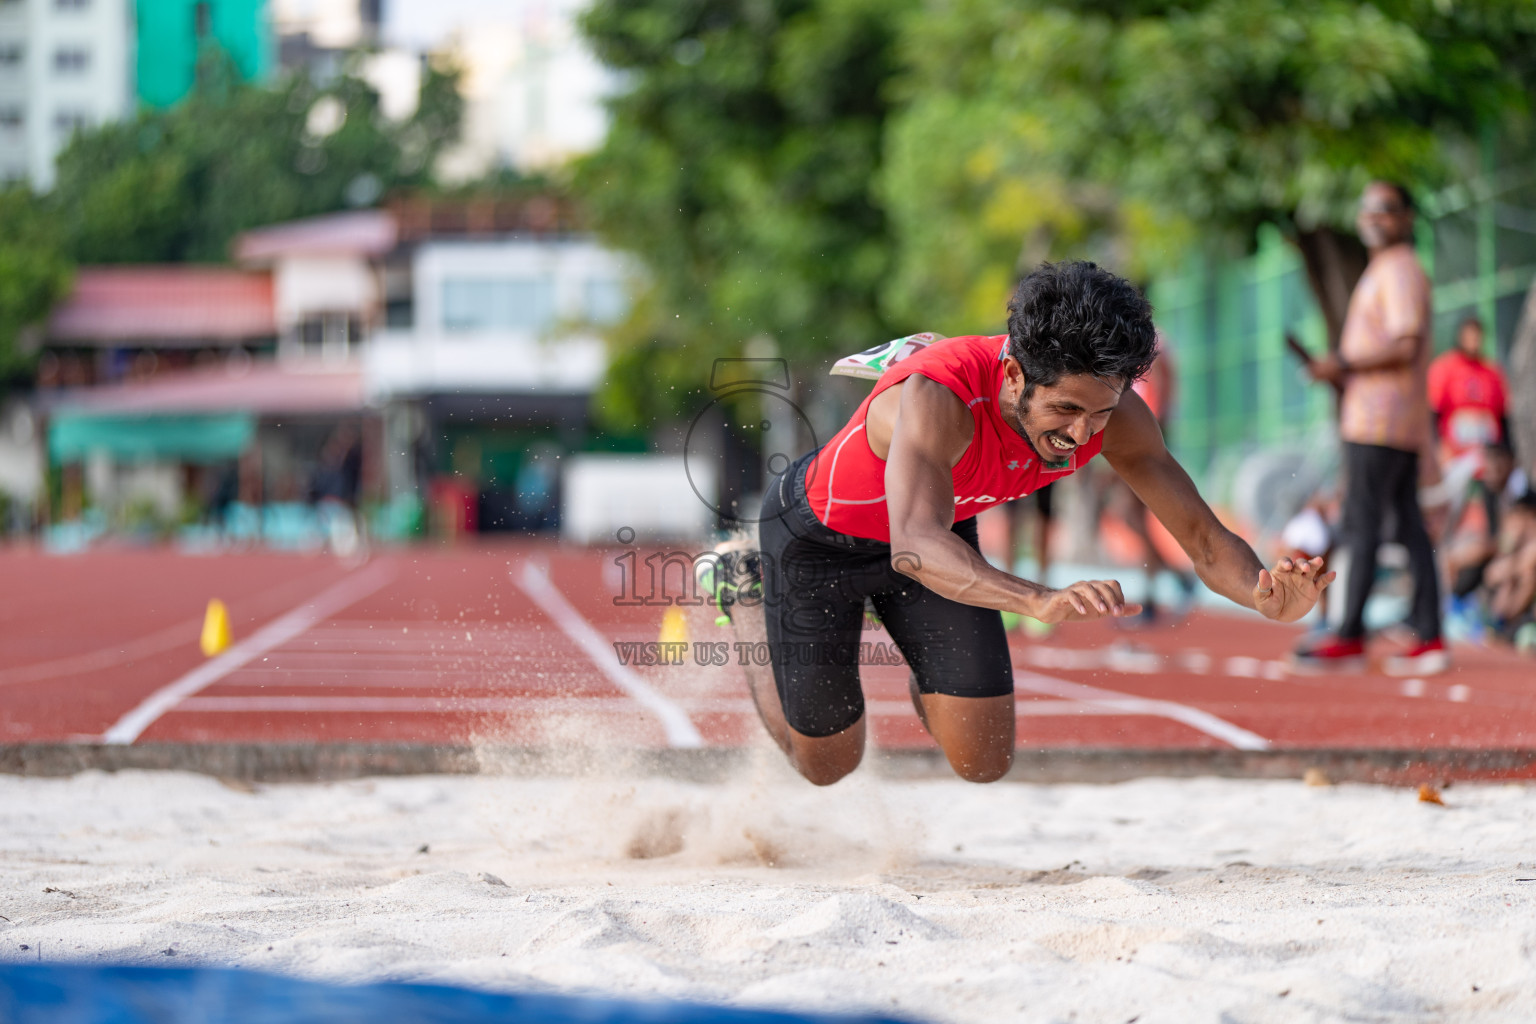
[[885, 511]]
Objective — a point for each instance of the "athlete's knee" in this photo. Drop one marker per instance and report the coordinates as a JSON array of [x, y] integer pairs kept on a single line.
[[824, 774], [985, 768], [981, 759], [823, 761]]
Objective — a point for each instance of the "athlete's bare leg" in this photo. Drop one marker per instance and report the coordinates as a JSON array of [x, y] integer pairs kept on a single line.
[[823, 760], [770, 711], [917, 700], [976, 733]]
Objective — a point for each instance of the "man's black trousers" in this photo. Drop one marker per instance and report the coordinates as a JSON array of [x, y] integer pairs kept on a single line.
[[1379, 481]]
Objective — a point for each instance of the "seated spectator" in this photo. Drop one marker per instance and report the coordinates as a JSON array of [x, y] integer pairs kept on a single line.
[[1509, 580], [1469, 549]]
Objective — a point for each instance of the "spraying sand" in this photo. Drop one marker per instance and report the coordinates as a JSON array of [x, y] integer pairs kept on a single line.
[[1157, 900]]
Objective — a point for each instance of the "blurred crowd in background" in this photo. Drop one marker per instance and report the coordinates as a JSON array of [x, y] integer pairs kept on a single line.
[[310, 274]]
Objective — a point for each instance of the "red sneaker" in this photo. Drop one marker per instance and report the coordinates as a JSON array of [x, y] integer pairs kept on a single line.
[[1331, 654], [1427, 659]]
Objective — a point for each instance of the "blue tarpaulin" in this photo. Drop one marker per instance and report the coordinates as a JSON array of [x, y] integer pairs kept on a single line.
[[70, 994]]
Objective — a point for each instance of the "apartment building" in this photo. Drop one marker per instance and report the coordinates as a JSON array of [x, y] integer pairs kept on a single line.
[[64, 65]]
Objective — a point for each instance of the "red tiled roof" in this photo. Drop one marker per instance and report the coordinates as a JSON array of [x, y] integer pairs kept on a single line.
[[169, 304], [357, 233], [263, 388]]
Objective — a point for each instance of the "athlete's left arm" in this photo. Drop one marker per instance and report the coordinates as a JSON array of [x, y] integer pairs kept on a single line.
[[1133, 445]]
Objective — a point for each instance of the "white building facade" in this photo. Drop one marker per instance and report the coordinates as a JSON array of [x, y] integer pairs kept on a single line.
[[327, 279], [64, 65], [502, 317], [503, 351]]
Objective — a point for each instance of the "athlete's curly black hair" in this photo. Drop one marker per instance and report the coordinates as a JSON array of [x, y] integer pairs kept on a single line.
[[1075, 317]]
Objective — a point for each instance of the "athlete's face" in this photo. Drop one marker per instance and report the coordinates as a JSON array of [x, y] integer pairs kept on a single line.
[[1055, 420]]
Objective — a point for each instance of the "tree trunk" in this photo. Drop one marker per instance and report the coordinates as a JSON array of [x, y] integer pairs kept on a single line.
[[1522, 385], [1334, 263]]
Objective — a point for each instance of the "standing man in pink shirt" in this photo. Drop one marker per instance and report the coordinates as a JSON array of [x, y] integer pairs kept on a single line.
[[1384, 424]]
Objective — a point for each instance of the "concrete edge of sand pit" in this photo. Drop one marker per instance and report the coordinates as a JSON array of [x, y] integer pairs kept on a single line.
[[295, 762]]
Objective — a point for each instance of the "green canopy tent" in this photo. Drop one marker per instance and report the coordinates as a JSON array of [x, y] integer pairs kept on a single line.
[[72, 436]]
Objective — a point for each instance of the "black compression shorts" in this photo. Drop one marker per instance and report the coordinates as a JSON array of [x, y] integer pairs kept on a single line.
[[815, 581]]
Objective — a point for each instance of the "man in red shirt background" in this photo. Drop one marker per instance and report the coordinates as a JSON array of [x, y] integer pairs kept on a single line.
[[1468, 397]]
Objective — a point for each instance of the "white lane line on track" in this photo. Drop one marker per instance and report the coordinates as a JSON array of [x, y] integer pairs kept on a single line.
[[599, 705], [406, 705], [1128, 704], [535, 582], [1129, 660], [418, 677], [330, 601]]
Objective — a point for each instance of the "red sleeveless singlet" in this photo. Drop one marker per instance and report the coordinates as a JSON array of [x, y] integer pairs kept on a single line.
[[845, 481]]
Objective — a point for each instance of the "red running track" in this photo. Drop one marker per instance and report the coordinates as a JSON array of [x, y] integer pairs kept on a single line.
[[514, 644]]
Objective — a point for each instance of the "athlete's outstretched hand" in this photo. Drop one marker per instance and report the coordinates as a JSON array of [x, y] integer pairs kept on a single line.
[[1090, 599], [1291, 589]]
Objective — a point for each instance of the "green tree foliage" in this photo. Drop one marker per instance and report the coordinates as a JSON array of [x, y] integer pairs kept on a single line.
[[179, 184], [34, 275], [740, 168], [830, 172], [1036, 128]]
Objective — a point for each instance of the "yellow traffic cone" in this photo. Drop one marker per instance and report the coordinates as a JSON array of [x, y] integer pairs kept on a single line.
[[674, 626], [215, 628]]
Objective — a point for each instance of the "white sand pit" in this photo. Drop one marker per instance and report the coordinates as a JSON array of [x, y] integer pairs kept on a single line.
[[1150, 901]]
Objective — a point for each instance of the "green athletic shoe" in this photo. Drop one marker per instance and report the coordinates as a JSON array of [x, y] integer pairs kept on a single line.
[[729, 576], [871, 617]]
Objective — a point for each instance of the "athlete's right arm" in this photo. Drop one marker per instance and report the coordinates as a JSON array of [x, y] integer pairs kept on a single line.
[[928, 430]]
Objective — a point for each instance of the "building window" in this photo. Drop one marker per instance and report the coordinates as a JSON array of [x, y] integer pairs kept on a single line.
[[603, 300], [329, 334], [67, 122], [71, 60], [12, 118], [12, 54], [489, 304]]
